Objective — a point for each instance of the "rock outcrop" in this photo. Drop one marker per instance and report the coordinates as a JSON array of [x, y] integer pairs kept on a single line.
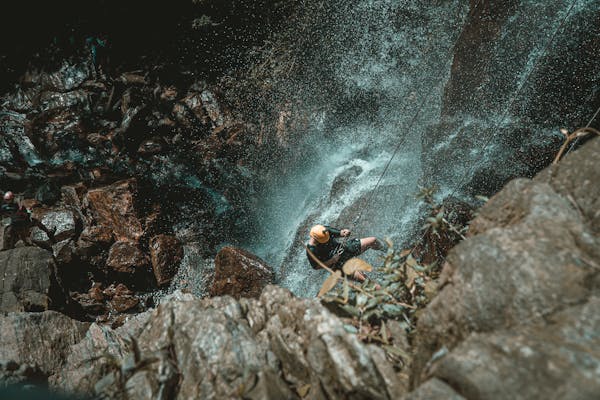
[[239, 273], [508, 98], [515, 316], [277, 347], [166, 253], [28, 280], [42, 340]]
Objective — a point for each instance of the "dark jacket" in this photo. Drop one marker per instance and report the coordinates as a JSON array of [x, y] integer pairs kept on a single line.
[[18, 215], [324, 251]]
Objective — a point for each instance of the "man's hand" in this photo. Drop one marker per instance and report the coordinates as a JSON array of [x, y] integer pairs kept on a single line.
[[345, 232]]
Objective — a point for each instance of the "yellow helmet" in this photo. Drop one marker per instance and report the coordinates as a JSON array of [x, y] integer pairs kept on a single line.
[[319, 233]]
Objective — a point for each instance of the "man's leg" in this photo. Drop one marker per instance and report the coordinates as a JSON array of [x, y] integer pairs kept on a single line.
[[368, 243]]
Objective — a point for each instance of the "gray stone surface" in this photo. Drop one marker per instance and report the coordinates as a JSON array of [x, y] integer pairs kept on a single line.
[[518, 311], [41, 339], [27, 279], [222, 348]]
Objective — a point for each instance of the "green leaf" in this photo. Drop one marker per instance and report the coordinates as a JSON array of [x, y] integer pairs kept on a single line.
[[361, 300], [396, 351], [346, 290], [392, 310], [350, 328], [351, 310]]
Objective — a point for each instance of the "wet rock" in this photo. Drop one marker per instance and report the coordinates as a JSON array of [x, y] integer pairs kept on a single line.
[[150, 147], [15, 145], [433, 389], [562, 355], [296, 343], [239, 273], [113, 208], [126, 257], [97, 234], [41, 339], [63, 223], [530, 258], [212, 108], [54, 101], [64, 252], [166, 253], [28, 280]]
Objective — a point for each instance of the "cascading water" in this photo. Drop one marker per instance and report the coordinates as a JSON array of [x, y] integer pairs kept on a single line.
[[388, 52], [442, 80]]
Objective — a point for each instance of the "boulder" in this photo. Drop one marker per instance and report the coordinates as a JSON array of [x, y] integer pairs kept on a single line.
[[113, 207], [126, 257], [40, 339], [272, 348], [239, 273], [97, 234], [63, 222], [433, 389], [511, 317], [559, 359], [28, 282], [64, 252], [166, 253]]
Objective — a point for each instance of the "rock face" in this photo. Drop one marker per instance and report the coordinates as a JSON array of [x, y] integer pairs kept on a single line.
[[239, 273], [515, 313], [272, 348], [482, 100], [40, 339], [28, 282], [166, 253]]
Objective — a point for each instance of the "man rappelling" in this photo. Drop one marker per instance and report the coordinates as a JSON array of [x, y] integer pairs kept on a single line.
[[324, 244]]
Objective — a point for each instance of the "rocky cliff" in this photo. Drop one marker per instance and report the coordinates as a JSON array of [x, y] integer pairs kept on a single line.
[[516, 317]]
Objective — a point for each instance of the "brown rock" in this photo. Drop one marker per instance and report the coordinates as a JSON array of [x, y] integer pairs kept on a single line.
[[113, 207], [123, 299], [166, 253], [122, 303], [97, 234], [126, 257], [239, 273], [95, 292]]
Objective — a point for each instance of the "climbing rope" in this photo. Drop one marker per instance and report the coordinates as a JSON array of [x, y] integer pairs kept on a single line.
[[576, 141], [506, 111], [500, 121], [403, 137], [512, 100]]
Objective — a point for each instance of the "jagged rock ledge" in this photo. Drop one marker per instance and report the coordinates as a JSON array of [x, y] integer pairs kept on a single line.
[[516, 318]]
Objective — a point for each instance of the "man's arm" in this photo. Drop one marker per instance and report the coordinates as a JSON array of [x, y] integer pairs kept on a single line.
[[335, 233]]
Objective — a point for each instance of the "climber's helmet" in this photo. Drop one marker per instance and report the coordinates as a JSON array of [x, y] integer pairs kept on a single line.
[[319, 233]]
